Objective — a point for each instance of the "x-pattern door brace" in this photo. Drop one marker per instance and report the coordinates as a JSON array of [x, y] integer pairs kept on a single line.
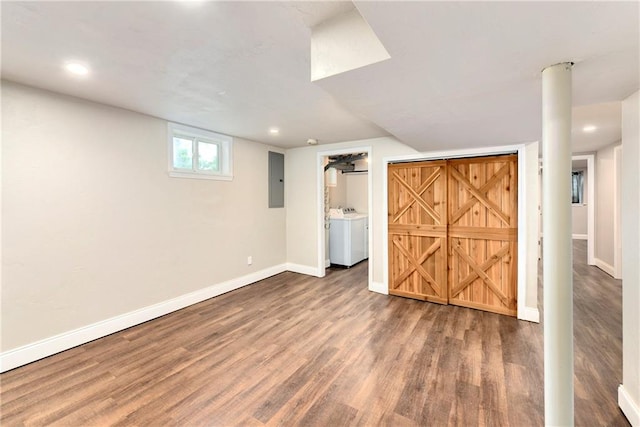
[[480, 195], [417, 196], [479, 271], [416, 265]]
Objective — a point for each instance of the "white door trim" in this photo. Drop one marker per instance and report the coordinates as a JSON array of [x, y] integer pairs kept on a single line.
[[617, 237], [591, 205]]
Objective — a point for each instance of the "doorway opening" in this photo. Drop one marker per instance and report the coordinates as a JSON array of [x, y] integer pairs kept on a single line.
[[582, 203], [344, 209]]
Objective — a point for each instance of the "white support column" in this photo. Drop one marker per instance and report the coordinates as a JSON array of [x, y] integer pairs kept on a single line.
[[557, 245]]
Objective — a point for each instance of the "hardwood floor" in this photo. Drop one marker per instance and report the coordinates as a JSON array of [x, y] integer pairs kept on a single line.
[[297, 350], [597, 330]]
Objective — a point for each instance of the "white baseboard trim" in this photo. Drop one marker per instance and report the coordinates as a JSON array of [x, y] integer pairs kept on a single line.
[[531, 314], [378, 287], [327, 263], [49, 346], [607, 268], [302, 269], [579, 236], [629, 408]]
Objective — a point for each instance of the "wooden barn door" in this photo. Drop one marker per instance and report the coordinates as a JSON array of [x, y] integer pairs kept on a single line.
[[453, 232], [418, 230], [482, 231]]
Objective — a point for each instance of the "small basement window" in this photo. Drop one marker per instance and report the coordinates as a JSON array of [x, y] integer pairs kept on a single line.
[[200, 154]]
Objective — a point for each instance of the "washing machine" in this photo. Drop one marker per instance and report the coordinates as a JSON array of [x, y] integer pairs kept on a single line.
[[348, 237]]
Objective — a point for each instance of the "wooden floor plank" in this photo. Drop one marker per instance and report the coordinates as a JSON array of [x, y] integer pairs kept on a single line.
[[299, 350]]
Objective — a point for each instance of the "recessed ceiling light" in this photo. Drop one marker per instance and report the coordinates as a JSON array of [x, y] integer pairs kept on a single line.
[[589, 128], [77, 68], [274, 131]]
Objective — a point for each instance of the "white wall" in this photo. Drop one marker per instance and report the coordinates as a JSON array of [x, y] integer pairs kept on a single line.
[[579, 212], [93, 227], [605, 205], [302, 216], [350, 190], [338, 194], [301, 190], [532, 186], [629, 392], [357, 183]]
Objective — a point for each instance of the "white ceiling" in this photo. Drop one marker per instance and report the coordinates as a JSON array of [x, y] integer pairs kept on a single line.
[[460, 74]]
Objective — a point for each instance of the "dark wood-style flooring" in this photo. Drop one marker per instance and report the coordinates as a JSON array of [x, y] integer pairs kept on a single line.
[[296, 350]]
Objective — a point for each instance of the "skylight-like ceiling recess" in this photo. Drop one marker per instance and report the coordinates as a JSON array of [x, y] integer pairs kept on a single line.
[[343, 43]]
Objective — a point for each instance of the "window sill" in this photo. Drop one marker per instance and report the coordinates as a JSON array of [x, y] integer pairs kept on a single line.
[[201, 176]]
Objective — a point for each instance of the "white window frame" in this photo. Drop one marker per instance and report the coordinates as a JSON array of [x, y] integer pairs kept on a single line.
[[225, 153]]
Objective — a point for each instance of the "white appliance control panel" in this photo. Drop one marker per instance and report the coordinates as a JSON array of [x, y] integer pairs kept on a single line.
[[341, 212]]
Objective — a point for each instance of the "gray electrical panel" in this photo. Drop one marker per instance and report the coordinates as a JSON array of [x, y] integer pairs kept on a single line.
[[276, 180]]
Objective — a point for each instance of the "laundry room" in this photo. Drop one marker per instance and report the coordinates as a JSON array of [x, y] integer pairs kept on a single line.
[[346, 210]]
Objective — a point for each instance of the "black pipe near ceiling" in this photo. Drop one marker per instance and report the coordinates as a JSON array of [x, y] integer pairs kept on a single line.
[[345, 162]]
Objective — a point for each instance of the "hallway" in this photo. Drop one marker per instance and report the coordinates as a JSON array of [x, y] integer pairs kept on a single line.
[[597, 324]]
